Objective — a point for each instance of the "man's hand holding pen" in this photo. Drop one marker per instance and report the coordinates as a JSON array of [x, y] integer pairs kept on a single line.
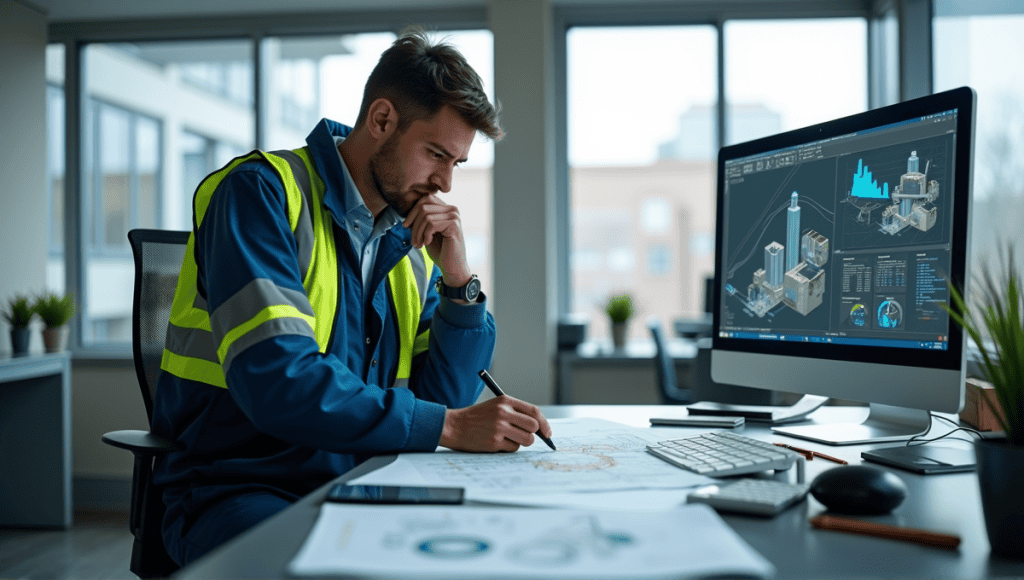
[[499, 424]]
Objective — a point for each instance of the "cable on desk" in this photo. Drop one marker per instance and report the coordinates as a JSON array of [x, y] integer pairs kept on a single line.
[[917, 440]]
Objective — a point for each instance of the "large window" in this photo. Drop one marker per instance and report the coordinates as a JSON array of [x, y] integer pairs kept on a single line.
[[145, 104], [160, 116], [976, 50], [643, 141], [642, 117]]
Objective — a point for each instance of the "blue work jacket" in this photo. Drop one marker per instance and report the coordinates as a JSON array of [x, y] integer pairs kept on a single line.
[[292, 418]]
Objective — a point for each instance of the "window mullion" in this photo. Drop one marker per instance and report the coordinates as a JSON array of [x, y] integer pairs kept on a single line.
[[73, 190]]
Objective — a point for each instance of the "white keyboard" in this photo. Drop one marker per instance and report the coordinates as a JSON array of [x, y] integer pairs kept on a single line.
[[721, 454], [766, 497]]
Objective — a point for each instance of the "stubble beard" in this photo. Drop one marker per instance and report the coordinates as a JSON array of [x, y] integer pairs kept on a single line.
[[386, 174]]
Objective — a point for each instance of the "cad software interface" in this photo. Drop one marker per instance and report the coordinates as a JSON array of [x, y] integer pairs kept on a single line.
[[844, 240]]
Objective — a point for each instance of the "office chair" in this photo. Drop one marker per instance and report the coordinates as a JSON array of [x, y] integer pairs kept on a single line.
[[665, 370], [158, 255]]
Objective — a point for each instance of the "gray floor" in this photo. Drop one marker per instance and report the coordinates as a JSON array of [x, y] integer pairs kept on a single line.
[[97, 547]]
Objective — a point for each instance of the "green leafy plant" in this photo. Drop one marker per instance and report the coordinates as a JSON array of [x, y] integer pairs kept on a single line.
[[996, 309], [619, 308], [55, 309], [19, 312]]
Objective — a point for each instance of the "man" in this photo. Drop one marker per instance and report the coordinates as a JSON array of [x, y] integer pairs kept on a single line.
[[307, 299]]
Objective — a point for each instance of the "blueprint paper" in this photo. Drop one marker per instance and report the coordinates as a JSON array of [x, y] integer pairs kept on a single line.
[[593, 456], [627, 499], [479, 542]]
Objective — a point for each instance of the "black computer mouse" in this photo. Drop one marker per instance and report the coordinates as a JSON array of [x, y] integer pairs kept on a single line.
[[858, 490]]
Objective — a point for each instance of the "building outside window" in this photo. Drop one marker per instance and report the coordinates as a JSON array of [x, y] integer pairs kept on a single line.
[[641, 103], [643, 143], [143, 101]]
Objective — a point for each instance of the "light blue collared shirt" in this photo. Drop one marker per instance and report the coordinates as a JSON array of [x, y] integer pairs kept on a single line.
[[358, 222]]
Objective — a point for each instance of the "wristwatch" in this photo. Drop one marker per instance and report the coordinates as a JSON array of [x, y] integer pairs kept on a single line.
[[469, 292]]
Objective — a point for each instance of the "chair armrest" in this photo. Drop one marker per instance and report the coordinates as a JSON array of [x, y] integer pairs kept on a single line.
[[139, 442]]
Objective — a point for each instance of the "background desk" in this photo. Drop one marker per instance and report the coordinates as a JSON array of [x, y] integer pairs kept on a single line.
[[943, 503], [35, 440], [596, 373]]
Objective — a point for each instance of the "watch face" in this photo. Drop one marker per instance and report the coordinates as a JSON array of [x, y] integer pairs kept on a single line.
[[473, 289]]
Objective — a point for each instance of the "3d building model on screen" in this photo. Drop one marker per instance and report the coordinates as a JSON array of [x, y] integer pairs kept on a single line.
[[911, 199], [793, 274]]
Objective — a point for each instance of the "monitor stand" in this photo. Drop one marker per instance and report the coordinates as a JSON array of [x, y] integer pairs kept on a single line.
[[883, 423]]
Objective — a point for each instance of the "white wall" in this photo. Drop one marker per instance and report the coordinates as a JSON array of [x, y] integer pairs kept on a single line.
[[23, 219]]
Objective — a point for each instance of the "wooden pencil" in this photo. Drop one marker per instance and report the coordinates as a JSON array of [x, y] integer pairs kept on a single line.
[[853, 526]]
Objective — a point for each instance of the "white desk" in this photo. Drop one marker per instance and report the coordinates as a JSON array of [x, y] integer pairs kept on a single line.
[[943, 503], [35, 440]]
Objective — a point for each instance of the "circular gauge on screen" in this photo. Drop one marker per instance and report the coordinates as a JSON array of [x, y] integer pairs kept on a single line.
[[890, 314], [858, 315]]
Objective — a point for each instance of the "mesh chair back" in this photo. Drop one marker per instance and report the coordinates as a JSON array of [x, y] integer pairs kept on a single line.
[[158, 256]]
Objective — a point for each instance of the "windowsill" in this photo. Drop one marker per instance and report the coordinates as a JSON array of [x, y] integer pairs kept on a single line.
[[119, 355]]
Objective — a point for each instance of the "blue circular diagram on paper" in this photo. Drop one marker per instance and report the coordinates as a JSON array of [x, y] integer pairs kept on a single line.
[[453, 547]]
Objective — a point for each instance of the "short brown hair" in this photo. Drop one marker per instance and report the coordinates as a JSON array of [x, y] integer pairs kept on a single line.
[[419, 77]]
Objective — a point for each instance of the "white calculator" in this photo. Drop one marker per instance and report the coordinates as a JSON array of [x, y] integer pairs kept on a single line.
[[764, 497]]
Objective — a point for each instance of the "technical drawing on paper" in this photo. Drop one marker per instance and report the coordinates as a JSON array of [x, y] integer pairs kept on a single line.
[[613, 460], [593, 455]]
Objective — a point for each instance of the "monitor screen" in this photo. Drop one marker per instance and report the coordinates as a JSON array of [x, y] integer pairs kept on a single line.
[[835, 247]]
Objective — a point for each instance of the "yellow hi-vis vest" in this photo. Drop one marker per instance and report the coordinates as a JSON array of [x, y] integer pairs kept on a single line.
[[201, 345]]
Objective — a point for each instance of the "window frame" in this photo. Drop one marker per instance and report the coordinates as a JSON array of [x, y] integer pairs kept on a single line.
[[97, 245]]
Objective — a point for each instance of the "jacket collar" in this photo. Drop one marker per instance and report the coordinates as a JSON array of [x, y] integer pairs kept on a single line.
[[328, 164]]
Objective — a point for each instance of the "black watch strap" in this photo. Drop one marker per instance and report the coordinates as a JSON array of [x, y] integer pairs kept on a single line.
[[469, 292]]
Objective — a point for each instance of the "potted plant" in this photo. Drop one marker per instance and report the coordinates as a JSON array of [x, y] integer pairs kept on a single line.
[[55, 310], [619, 310], [994, 322], [18, 315]]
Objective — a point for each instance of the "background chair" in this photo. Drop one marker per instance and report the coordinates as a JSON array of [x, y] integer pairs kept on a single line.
[[704, 388], [158, 255], [665, 370], [695, 384]]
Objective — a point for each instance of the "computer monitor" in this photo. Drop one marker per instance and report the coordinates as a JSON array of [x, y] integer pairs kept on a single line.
[[835, 244]]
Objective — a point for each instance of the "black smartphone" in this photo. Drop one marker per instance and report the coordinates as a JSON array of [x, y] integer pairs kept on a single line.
[[395, 494]]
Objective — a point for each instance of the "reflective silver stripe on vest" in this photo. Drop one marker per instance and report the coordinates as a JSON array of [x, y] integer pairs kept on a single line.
[[304, 234], [400, 384], [192, 343], [269, 329], [420, 274], [250, 300]]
